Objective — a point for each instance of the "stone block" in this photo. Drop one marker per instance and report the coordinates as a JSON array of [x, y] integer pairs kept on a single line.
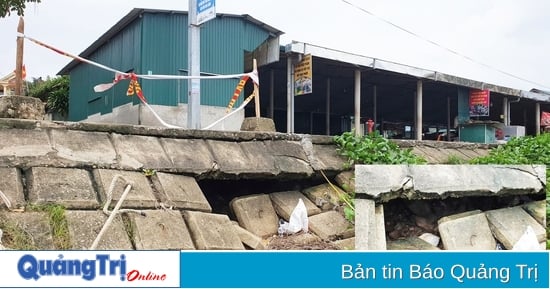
[[136, 152], [183, 192], [346, 181], [248, 238], [537, 210], [466, 231], [140, 196], [161, 230], [289, 157], [22, 107], [258, 124], [328, 158], [331, 225], [87, 147], [285, 202], [84, 227], [256, 214], [24, 143], [31, 229], [370, 232], [212, 231], [509, 224], [189, 155], [71, 188], [345, 244], [325, 196], [11, 186], [412, 243]]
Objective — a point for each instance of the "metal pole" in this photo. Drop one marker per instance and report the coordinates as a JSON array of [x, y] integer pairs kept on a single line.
[[418, 121], [374, 105], [19, 58], [194, 66], [289, 95], [327, 116], [537, 118], [271, 94], [505, 118], [357, 96], [448, 118]]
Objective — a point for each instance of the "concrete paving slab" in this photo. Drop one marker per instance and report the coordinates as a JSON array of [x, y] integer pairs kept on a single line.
[[256, 214], [325, 196], [24, 143], [330, 226], [212, 231], [328, 158], [189, 155], [161, 230], [466, 231], [140, 196], [34, 226], [243, 158], [537, 210], [248, 238], [412, 243], [84, 226], [183, 192], [84, 147], [285, 202], [136, 152], [11, 186], [386, 182], [419, 151], [508, 224], [289, 157], [71, 188]]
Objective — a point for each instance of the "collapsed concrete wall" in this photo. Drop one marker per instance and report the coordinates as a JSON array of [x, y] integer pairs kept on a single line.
[[74, 164]]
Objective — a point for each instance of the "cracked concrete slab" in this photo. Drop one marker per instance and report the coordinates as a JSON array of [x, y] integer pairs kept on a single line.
[[161, 230], [256, 214], [84, 227], [285, 202], [212, 231], [141, 194], [509, 224], [11, 186]]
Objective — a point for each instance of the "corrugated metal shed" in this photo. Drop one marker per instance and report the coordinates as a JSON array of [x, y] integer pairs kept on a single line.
[[155, 41]]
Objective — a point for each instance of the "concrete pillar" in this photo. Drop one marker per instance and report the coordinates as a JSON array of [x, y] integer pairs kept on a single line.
[[327, 118], [289, 95], [6, 90], [370, 233], [357, 97], [374, 105], [418, 116], [537, 118], [505, 116]]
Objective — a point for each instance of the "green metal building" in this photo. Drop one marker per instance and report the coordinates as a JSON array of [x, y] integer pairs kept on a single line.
[[151, 41]]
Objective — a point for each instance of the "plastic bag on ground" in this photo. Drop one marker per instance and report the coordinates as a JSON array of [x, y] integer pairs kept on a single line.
[[528, 241], [298, 220]]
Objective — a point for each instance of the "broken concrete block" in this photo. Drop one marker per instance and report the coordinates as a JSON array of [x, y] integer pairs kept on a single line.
[[137, 152], [346, 181], [84, 227], [331, 225], [248, 238], [537, 210], [87, 147], [161, 230], [509, 224], [140, 196], [256, 214], [345, 244], [285, 202], [183, 192], [412, 243], [466, 231], [31, 229], [325, 196], [212, 231], [11, 186]]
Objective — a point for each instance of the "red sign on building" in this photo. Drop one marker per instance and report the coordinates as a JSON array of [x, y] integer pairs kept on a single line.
[[479, 102]]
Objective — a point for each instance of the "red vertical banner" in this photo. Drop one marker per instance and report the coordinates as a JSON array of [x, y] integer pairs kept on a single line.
[[545, 119], [479, 102]]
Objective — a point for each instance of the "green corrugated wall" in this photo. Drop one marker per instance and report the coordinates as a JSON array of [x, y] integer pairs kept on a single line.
[[157, 43]]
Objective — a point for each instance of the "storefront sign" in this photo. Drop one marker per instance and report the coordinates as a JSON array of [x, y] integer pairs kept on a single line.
[[479, 102], [303, 83]]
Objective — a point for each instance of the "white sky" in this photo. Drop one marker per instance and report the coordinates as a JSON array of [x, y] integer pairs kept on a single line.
[[510, 35]]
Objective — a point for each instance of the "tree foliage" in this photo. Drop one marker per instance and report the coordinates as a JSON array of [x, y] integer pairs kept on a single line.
[[53, 91], [18, 6]]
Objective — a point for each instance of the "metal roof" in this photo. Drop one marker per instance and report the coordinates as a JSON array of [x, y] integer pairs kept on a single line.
[[375, 63], [136, 13]]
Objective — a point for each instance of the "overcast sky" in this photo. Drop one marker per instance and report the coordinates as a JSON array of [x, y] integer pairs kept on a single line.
[[508, 35]]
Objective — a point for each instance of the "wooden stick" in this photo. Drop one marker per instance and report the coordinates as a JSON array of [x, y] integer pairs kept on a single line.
[[256, 91], [19, 58]]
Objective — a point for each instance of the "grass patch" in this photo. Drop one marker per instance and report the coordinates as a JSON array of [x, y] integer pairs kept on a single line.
[[15, 237], [58, 223]]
